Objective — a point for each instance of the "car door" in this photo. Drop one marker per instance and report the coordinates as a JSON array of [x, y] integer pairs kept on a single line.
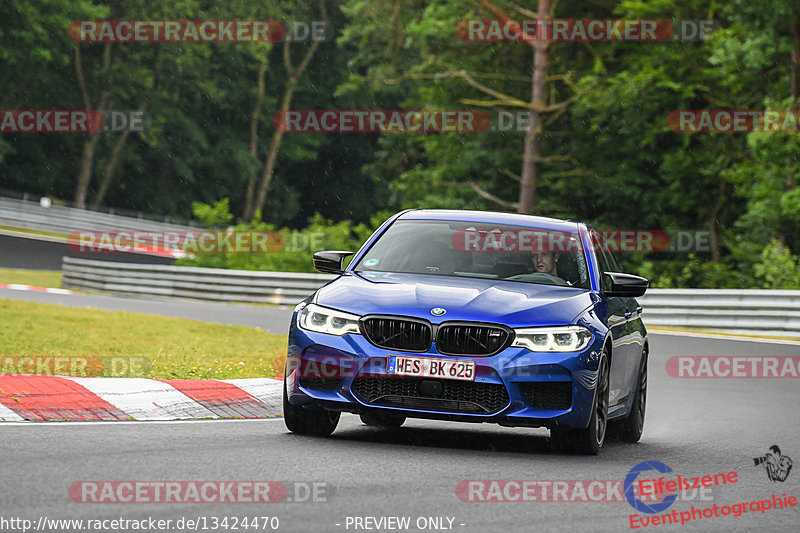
[[634, 331], [617, 315]]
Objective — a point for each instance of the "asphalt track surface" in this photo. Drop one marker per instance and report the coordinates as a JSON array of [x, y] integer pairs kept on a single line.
[[696, 426], [272, 319], [36, 252]]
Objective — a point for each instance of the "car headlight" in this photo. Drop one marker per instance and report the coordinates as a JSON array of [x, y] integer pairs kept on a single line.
[[553, 339], [323, 320]]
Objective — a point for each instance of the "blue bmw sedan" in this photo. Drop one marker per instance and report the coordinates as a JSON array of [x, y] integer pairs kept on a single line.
[[477, 317]]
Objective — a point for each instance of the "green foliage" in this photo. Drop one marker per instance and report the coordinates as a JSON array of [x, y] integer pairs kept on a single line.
[[778, 267], [218, 214], [201, 96], [298, 245], [615, 162]]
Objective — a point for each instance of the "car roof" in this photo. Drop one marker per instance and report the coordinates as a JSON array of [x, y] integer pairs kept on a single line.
[[491, 217]]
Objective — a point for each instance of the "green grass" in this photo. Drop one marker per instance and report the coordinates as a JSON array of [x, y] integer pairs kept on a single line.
[[39, 278], [170, 347]]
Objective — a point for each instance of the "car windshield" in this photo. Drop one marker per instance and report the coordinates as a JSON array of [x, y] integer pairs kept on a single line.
[[468, 249]]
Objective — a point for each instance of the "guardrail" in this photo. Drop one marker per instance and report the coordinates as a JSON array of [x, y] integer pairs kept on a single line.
[[60, 219], [745, 311], [212, 284], [763, 312]]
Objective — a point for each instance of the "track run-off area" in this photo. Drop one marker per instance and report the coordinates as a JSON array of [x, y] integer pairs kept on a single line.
[[414, 478]]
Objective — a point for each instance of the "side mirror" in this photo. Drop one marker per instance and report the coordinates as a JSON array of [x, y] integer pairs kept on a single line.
[[625, 285], [330, 262]]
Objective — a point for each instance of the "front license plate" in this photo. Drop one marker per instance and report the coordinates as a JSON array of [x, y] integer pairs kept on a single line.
[[401, 365]]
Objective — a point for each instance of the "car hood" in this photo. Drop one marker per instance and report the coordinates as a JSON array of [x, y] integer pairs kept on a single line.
[[515, 304]]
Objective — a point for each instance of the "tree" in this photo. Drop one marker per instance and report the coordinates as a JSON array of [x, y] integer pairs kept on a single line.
[[444, 62], [293, 75]]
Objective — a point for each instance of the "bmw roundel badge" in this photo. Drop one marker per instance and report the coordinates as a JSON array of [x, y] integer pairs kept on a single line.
[[438, 311]]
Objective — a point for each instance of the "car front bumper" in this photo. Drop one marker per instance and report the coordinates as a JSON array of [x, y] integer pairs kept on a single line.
[[515, 387]]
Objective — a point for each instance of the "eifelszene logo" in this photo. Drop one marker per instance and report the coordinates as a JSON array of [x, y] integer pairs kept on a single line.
[[630, 485], [656, 495], [777, 466]]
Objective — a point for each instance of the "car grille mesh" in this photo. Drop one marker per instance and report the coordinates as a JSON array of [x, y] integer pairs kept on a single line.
[[469, 339], [553, 395], [451, 339], [398, 334], [457, 396], [320, 383]]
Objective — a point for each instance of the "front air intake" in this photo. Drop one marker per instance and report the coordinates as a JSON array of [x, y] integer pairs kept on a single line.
[[454, 396], [472, 339], [551, 395], [393, 333]]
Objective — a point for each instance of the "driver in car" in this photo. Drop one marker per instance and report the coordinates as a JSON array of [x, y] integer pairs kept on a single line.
[[546, 262]]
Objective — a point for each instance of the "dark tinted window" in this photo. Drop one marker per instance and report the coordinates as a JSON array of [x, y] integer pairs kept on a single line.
[[605, 263], [468, 249]]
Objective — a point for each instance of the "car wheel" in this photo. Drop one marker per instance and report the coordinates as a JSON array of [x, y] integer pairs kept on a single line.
[[314, 421], [588, 441], [630, 429], [384, 420]]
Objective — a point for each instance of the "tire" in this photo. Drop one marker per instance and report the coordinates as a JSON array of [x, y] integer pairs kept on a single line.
[[588, 441], [384, 420], [630, 429], [313, 421]]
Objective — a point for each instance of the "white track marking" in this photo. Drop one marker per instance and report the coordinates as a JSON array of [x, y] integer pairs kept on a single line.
[[8, 415], [59, 291], [38, 423], [269, 391], [33, 288], [145, 399]]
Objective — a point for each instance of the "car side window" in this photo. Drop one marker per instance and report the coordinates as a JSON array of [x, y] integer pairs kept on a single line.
[[612, 261], [603, 263]]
